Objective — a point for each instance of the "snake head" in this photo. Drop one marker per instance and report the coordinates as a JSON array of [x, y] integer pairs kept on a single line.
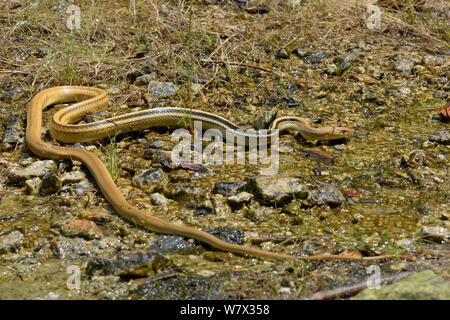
[[331, 133]]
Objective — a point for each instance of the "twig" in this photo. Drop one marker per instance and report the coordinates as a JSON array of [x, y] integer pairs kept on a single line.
[[354, 289]]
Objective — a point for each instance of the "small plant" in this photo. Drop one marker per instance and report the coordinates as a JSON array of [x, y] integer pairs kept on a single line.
[[111, 158]]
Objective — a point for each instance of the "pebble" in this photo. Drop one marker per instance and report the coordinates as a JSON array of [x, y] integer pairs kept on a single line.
[[265, 119], [145, 79], [11, 136], [404, 65], [33, 185], [436, 234], [441, 136], [71, 248], [238, 200], [128, 264], [37, 169], [72, 177], [82, 228], [14, 95], [326, 195], [11, 241], [159, 199], [278, 190], [228, 188], [151, 180], [162, 89], [51, 183], [282, 54]]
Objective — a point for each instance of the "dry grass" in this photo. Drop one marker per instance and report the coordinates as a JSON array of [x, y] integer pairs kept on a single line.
[[116, 43]]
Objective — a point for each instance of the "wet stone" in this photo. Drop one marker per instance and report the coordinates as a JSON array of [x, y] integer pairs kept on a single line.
[[33, 185], [436, 234], [162, 89], [188, 194], [71, 248], [229, 188], [128, 264], [11, 241], [227, 234], [326, 195], [238, 200], [441, 136], [80, 188], [37, 169], [51, 183], [195, 288], [72, 177], [176, 244], [151, 180], [81, 228], [270, 190], [159, 199]]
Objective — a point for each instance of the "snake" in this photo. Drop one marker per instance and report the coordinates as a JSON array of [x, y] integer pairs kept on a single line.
[[86, 100]]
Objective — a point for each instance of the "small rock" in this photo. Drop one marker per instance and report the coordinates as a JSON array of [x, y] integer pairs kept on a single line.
[[128, 264], [162, 89], [71, 248], [436, 234], [145, 79], [14, 95], [238, 200], [432, 60], [37, 169], [441, 136], [82, 228], [300, 52], [326, 195], [269, 190], [51, 183], [11, 241], [72, 177], [265, 119], [151, 180], [228, 188], [176, 244], [282, 54], [159, 199], [33, 185], [404, 65], [11, 136]]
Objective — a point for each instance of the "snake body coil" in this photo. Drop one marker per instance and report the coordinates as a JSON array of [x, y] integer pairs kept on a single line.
[[92, 99]]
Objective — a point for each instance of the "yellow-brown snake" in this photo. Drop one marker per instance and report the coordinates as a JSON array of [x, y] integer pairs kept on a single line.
[[91, 99]]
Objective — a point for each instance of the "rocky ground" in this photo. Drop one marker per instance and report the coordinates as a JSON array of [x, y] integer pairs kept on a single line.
[[385, 190]]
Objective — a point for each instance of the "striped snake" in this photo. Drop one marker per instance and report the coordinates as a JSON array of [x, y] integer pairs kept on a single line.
[[92, 99]]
